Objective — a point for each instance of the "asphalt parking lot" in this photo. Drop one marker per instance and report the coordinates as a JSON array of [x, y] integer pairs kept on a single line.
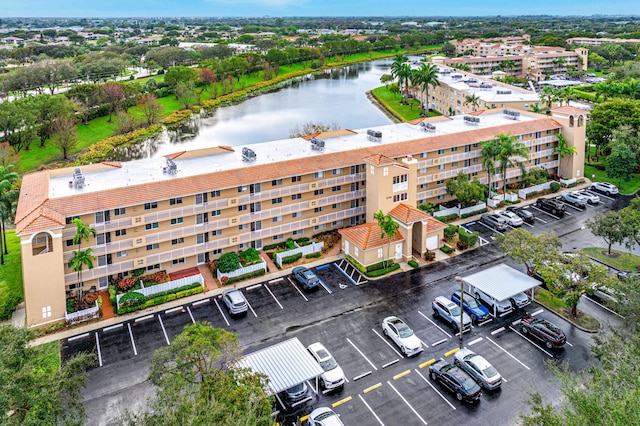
[[345, 313]]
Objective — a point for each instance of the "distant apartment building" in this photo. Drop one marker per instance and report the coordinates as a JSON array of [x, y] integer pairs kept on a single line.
[[494, 46], [590, 41], [185, 209]]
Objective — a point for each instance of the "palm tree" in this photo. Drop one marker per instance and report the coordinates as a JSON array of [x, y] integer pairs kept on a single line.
[[564, 150], [508, 65], [472, 100], [388, 228], [404, 74], [606, 90], [567, 94], [8, 195], [428, 76], [510, 150], [489, 152], [83, 232], [548, 95], [78, 261], [536, 108]]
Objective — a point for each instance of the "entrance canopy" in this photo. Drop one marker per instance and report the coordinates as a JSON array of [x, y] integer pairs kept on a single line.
[[286, 364], [501, 282]]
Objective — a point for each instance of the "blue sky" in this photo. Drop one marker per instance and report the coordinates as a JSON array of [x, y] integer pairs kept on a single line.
[[126, 8]]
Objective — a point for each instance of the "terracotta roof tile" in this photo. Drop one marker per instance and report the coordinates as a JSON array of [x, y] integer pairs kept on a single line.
[[379, 160], [570, 110], [434, 224], [367, 236], [408, 214], [112, 163], [174, 155]]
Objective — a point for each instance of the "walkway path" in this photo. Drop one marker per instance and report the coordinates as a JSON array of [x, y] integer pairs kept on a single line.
[[107, 307]]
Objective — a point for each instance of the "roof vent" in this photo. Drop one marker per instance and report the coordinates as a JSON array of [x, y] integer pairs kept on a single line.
[[456, 76], [485, 85], [471, 121], [503, 92], [512, 115], [248, 154], [172, 167], [317, 144], [78, 178], [427, 127], [374, 135]]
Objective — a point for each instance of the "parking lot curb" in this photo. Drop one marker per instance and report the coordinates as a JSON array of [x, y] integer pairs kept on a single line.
[[569, 320]]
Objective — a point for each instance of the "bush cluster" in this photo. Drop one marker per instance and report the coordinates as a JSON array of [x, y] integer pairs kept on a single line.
[[413, 263], [469, 238], [250, 255], [160, 298], [228, 262], [473, 213], [554, 187], [177, 117], [375, 270], [446, 249], [246, 276], [313, 255], [105, 149], [450, 231], [292, 258]]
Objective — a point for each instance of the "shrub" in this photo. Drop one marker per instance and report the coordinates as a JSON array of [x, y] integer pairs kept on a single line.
[[247, 275], [571, 185], [450, 231], [70, 306], [105, 149], [429, 255], [131, 299], [250, 255], [89, 299], [381, 272], [292, 258], [446, 219], [303, 240], [469, 238], [228, 262], [313, 255], [271, 247], [554, 186], [375, 270], [473, 213], [112, 294], [290, 245], [164, 297], [137, 273], [413, 263], [446, 249], [461, 245], [125, 284], [156, 278]]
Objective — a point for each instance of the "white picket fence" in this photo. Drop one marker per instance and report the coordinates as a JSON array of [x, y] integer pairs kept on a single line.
[[522, 193], [83, 315], [171, 285], [308, 249], [242, 271], [459, 211]]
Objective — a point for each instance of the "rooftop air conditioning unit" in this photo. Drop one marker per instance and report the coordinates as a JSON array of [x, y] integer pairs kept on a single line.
[[317, 144], [248, 154], [427, 127], [512, 115], [172, 167], [78, 178], [470, 120], [374, 135]]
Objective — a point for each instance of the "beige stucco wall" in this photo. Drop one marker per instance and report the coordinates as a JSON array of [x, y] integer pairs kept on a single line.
[[573, 166]]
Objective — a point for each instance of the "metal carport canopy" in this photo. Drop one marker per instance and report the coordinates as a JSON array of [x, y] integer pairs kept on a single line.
[[286, 364], [501, 282]]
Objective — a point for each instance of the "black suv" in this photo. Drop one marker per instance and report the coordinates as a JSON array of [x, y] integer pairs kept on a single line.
[[550, 205], [455, 380]]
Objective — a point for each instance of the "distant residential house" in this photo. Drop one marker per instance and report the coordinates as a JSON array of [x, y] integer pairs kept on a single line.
[[11, 40]]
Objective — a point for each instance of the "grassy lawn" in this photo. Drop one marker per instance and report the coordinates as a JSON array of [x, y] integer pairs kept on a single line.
[[558, 306], [625, 187], [11, 277], [620, 260], [392, 101], [49, 358]]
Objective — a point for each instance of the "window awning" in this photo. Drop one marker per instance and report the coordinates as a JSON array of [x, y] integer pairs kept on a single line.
[[286, 364], [501, 282]]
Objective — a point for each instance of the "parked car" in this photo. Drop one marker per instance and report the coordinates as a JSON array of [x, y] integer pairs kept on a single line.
[[450, 312], [455, 380], [520, 300], [471, 306], [307, 279], [235, 301], [606, 187], [544, 331], [501, 307], [494, 221], [402, 335], [324, 416], [592, 198], [550, 205], [511, 218], [524, 213], [333, 376], [296, 395], [479, 368], [575, 198]]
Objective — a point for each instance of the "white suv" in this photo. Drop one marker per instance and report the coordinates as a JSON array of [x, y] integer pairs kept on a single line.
[[605, 187], [501, 307], [333, 376]]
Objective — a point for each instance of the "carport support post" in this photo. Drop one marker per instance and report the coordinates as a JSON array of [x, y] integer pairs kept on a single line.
[[459, 279]]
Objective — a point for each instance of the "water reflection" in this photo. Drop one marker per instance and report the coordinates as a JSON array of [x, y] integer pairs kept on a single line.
[[339, 96]]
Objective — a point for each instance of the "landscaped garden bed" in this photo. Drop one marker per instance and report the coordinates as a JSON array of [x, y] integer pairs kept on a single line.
[[376, 270]]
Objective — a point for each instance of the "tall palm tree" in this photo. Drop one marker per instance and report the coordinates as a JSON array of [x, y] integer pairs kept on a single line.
[[564, 150], [472, 100], [428, 77], [548, 95], [510, 150], [8, 195], [83, 232], [404, 74], [388, 227], [508, 65], [8, 206], [536, 108], [567, 94], [78, 261], [489, 152]]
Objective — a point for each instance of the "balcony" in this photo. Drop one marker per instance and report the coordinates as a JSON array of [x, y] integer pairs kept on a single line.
[[273, 193], [186, 211], [100, 271]]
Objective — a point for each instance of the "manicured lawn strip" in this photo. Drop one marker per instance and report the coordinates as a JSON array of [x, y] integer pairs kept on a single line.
[[558, 306], [393, 102], [624, 262], [11, 274], [626, 187]]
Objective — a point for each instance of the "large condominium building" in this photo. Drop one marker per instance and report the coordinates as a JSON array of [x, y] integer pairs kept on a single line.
[[500, 45], [178, 212], [588, 41], [455, 86], [533, 61]]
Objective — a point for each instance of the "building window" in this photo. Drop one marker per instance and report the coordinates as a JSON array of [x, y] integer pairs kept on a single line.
[[372, 169], [215, 213], [336, 205], [277, 237], [214, 194], [337, 172], [69, 220], [423, 155], [336, 188], [276, 182], [400, 197], [380, 253], [154, 246], [201, 198], [122, 253], [46, 312], [440, 197], [295, 179], [385, 171], [318, 210], [454, 149], [242, 227], [336, 223], [153, 267], [423, 186], [441, 166], [296, 215], [318, 175], [174, 201], [202, 238], [440, 182], [216, 233], [150, 226], [121, 232], [180, 261], [296, 197], [276, 200], [176, 221], [298, 232], [401, 178], [320, 227], [242, 208], [69, 243], [440, 151], [216, 252], [150, 206], [119, 211], [454, 164], [177, 241], [318, 192], [422, 170], [277, 219], [242, 188], [355, 251]]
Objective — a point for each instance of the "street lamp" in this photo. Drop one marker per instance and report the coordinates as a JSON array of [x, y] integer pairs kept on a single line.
[[459, 279]]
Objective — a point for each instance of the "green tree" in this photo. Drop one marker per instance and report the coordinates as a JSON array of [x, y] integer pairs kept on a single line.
[[18, 123], [150, 107], [609, 226], [548, 95], [509, 156], [621, 163], [34, 389], [386, 79], [186, 94], [404, 75], [427, 76], [472, 100], [180, 74], [199, 383], [113, 95], [465, 190], [528, 249], [65, 133], [564, 150], [81, 257], [489, 151], [8, 200], [630, 218], [47, 109], [388, 228]]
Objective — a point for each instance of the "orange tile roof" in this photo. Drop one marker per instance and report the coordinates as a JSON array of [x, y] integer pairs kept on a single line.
[[408, 214], [174, 155], [434, 224], [35, 186], [367, 236], [112, 163], [570, 110], [379, 160]]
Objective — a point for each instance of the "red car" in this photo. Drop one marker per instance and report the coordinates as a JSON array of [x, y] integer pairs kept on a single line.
[[544, 331]]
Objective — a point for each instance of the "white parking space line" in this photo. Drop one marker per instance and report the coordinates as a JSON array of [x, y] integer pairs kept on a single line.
[[508, 353], [221, 313], [439, 328], [112, 327], [251, 307], [148, 317], [272, 295], [363, 355], [163, 330], [530, 341], [253, 287], [389, 364], [604, 196], [499, 330], [200, 302], [538, 312], [548, 214], [133, 343], [388, 344], [528, 224], [80, 336], [296, 287], [541, 220], [473, 342], [439, 342], [568, 343], [434, 388], [277, 280], [326, 287], [360, 376], [424, 422], [98, 347], [372, 412], [425, 345], [172, 310], [193, 321], [490, 228]]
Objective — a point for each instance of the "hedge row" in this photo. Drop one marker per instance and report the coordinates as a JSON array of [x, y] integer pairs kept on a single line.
[[292, 258], [177, 117], [164, 297], [375, 270], [413, 263], [473, 213], [314, 255], [471, 238], [381, 272], [105, 149], [446, 249], [247, 275]]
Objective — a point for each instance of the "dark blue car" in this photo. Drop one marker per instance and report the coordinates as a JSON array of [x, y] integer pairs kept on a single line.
[[472, 307]]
